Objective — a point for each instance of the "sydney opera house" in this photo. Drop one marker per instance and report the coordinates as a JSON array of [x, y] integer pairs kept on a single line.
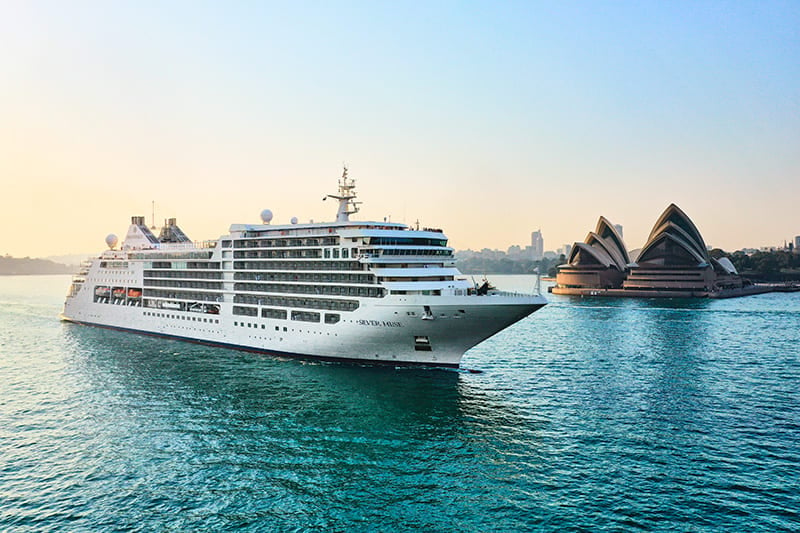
[[601, 261], [674, 262]]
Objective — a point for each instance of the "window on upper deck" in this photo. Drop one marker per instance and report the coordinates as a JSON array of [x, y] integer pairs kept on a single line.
[[406, 241]]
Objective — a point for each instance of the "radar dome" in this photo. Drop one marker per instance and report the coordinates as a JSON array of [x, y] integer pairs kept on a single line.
[[266, 216], [294, 220], [111, 240]]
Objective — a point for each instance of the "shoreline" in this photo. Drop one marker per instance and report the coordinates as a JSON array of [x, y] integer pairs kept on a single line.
[[750, 290]]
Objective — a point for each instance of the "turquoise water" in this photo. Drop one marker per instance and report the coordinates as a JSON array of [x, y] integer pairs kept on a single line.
[[590, 414]]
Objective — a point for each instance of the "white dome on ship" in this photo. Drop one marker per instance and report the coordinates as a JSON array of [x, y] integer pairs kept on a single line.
[[266, 216], [111, 240], [294, 220]]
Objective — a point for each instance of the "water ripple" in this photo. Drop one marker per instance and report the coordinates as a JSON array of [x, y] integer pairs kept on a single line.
[[589, 415]]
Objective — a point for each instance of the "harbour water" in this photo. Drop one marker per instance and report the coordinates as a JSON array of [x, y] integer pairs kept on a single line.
[[595, 414]]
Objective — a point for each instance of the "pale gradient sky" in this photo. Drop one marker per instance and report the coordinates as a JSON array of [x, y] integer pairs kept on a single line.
[[488, 119]]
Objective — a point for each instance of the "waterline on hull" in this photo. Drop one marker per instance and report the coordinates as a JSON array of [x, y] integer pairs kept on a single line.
[[270, 352]]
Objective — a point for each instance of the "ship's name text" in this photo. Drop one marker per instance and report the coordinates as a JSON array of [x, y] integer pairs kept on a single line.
[[379, 323]]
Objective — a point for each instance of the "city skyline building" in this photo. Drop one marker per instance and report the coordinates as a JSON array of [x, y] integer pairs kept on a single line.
[[537, 245], [565, 250]]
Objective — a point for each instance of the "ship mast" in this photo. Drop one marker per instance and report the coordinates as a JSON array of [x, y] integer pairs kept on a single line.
[[346, 198]]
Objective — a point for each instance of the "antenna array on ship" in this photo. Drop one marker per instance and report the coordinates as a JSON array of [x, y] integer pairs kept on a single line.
[[346, 197]]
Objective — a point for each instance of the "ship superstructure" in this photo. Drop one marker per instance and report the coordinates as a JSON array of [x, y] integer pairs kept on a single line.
[[345, 290]]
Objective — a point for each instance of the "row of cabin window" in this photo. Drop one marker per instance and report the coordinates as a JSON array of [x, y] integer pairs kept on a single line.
[[210, 285], [211, 274], [182, 295], [332, 290], [325, 277], [306, 316], [312, 253], [273, 313], [413, 251], [195, 307], [251, 325], [289, 301], [425, 293], [283, 242], [114, 264], [334, 253], [412, 265], [182, 317], [186, 265], [298, 265], [418, 278], [150, 255], [405, 241]]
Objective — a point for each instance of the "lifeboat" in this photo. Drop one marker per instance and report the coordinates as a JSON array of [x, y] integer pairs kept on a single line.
[[102, 291]]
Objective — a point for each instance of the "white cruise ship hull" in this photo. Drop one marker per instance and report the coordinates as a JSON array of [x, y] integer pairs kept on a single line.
[[392, 331]]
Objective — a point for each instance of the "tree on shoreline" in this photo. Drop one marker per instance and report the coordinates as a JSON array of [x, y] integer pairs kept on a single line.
[[777, 265], [477, 265]]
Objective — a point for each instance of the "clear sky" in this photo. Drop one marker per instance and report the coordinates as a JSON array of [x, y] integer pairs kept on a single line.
[[488, 119]]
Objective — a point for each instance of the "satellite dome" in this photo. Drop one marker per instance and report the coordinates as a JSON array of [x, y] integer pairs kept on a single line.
[[294, 220], [111, 240], [266, 216]]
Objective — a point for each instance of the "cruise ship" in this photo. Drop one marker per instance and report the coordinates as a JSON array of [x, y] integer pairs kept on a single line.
[[376, 292]]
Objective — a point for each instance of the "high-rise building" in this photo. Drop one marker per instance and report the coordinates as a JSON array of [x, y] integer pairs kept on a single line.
[[618, 227], [797, 244], [537, 245]]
